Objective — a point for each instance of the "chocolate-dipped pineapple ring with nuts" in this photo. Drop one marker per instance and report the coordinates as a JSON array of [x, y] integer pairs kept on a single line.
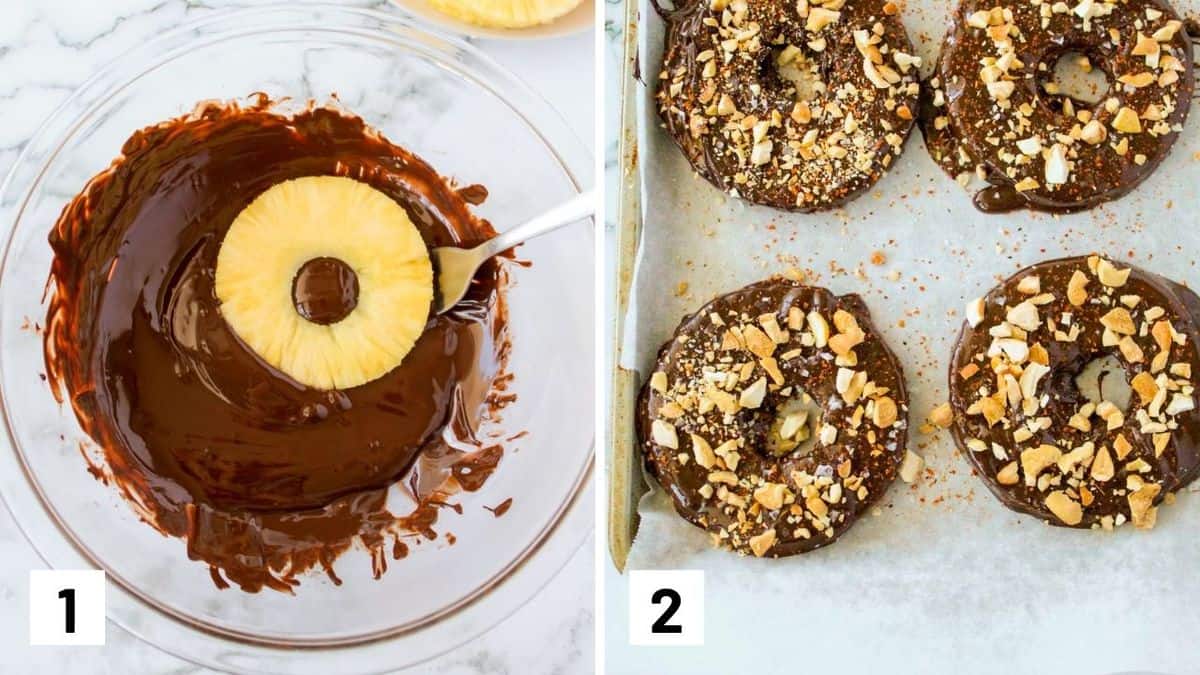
[[796, 105], [774, 417], [1048, 439], [991, 112]]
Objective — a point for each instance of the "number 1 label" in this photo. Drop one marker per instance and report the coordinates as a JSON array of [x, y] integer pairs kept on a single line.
[[666, 607], [66, 607]]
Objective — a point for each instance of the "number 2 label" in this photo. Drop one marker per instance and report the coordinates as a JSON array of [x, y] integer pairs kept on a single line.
[[670, 596], [666, 607]]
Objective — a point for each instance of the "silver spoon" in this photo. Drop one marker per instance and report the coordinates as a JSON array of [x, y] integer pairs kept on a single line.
[[454, 267]]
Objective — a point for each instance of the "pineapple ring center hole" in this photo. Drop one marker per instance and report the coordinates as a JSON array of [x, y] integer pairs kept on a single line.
[[797, 70], [1073, 79], [325, 290], [1103, 379], [795, 427]]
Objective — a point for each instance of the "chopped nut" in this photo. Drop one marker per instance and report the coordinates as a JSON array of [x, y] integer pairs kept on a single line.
[[1110, 276], [820, 329], [1031, 146], [793, 424], [1035, 460], [726, 477], [1032, 374], [993, 410], [1094, 133], [1119, 321], [817, 506], [1180, 404], [1143, 384], [1026, 184], [1030, 285], [1102, 466], [725, 106], [1127, 121], [1167, 32], [1001, 90], [762, 543], [771, 325], [885, 412], [975, 312], [703, 452], [1076, 294], [1141, 506], [1008, 475], [1160, 443], [1064, 508], [842, 343], [758, 342], [1024, 315], [1058, 171], [819, 17], [1079, 456], [910, 468], [1122, 446], [772, 367], [761, 153], [795, 319], [828, 434], [752, 396], [770, 496], [1139, 80], [942, 415], [663, 433], [1145, 46], [658, 382], [1130, 350]]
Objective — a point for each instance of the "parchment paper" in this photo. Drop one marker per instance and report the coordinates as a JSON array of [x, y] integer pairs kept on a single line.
[[943, 578]]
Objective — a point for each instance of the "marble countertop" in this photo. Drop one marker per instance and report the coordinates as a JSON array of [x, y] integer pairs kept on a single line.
[[48, 47]]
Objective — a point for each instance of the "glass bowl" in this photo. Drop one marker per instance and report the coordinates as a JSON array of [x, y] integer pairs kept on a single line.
[[473, 122]]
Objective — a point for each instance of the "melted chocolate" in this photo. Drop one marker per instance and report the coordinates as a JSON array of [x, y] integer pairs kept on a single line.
[[976, 133], [501, 508], [325, 290], [1173, 468], [265, 478], [861, 456]]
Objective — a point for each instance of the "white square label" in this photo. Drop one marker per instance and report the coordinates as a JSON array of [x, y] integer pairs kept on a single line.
[[666, 607], [66, 607]]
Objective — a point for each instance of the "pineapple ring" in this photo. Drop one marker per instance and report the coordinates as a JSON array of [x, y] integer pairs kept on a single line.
[[297, 221], [506, 13]]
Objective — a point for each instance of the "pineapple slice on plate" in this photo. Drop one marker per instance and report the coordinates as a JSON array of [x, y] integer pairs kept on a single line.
[[505, 13], [326, 279]]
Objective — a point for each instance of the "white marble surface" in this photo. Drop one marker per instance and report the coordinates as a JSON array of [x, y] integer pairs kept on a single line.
[[46, 49]]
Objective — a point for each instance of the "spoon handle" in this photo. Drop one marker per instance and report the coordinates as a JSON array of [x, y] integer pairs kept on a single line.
[[576, 208]]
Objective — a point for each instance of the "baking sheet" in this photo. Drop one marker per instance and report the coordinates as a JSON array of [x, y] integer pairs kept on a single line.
[[942, 578]]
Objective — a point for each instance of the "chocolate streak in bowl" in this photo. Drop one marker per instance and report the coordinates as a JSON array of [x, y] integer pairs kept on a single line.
[[264, 477]]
